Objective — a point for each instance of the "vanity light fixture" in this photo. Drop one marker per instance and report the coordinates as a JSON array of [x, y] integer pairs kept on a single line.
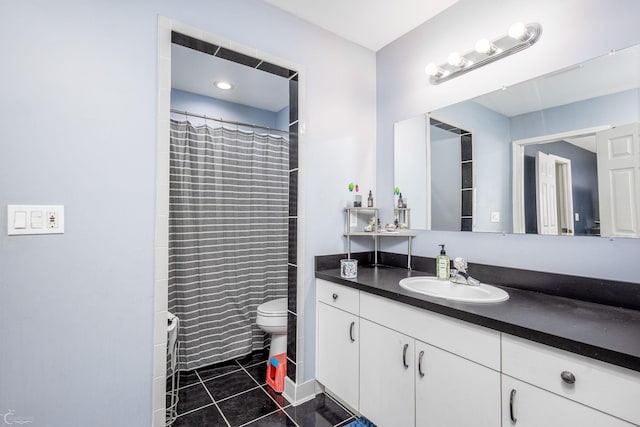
[[519, 37]]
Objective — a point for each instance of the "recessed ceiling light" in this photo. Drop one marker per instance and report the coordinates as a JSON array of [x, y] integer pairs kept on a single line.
[[224, 85]]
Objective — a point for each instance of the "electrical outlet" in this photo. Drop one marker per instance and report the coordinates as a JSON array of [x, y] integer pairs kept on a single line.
[[495, 216], [52, 219]]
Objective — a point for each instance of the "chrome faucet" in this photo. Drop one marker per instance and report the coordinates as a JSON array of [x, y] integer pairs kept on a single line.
[[459, 273]]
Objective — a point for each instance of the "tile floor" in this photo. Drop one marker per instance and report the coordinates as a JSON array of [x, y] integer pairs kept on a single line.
[[235, 394]]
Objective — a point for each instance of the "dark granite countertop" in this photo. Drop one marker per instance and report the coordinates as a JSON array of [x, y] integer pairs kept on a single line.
[[602, 332]]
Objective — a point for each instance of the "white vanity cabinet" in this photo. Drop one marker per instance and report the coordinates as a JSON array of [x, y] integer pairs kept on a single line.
[[529, 406], [387, 372], [453, 391], [421, 368], [405, 382], [338, 340], [547, 386], [399, 365]]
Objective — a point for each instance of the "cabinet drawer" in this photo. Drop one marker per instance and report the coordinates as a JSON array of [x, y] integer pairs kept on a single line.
[[338, 296], [531, 406], [476, 343], [600, 385]]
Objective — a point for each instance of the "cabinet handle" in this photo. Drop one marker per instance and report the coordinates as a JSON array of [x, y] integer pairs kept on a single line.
[[335, 296], [568, 377], [420, 356], [404, 356], [511, 399], [351, 331]]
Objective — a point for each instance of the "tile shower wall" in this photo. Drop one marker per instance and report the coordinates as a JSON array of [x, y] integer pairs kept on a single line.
[[466, 168], [292, 313], [292, 76]]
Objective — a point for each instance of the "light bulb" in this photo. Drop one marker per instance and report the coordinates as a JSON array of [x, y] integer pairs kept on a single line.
[[485, 46], [432, 70], [456, 60], [518, 31], [224, 85]]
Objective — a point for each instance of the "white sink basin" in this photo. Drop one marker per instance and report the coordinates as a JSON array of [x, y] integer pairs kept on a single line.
[[433, 287]]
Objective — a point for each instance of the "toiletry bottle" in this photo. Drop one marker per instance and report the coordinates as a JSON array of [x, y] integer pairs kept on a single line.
[[442, 265], [370, 200], [379, 228], [400, 202]]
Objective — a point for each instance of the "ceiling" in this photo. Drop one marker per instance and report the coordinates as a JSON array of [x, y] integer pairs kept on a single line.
[[355, 20], [369, 23], [196, 72]]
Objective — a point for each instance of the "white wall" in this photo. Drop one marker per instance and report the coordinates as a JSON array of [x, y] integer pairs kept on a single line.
[[410, 151], [569, 37], [217, 108], [78, 111]]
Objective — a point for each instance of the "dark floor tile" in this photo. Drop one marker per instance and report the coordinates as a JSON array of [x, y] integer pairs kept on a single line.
[[218, 369], [209, 416], [255, 357], [258, 372], [230, 384], [321, 411], [247, 407], [187, 378], [191, 398], [278, 397], [277, 419]]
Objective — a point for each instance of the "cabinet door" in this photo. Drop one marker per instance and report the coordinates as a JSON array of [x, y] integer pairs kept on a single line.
[[535, 407], [386, 376], [452, 391], [338, 353]]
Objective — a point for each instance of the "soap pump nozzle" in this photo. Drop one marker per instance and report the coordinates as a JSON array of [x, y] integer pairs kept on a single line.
[[442, 251]]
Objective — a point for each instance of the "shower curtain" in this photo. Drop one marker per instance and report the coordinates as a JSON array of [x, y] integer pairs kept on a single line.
[[228, 239]]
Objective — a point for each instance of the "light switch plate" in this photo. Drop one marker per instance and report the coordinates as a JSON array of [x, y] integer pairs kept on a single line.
[[35, 219]]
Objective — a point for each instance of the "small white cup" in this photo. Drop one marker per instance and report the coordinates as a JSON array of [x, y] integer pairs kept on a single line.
[[349, 268]]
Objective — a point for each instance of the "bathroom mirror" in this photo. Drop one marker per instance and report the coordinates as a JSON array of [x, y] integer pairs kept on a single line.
[[554, 155]]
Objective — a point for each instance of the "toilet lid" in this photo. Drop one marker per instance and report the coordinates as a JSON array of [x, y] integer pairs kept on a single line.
[[275, 307]]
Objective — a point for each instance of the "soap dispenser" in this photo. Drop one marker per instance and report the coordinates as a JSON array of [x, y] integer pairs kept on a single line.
[[442, 265], [370, 200]]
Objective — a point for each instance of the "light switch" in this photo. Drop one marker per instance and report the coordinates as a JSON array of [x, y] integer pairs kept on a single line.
[[36, 219], [20, 219]]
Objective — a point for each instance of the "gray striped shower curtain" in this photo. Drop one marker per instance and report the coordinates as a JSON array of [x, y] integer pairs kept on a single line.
[[228, 229]]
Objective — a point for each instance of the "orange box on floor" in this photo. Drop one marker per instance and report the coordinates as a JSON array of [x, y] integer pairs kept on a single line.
[[276, 371]]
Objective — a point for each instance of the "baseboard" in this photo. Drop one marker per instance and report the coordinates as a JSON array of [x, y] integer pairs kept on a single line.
[[300, 393]]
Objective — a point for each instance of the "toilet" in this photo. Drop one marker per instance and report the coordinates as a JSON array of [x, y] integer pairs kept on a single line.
[[272, 318]]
